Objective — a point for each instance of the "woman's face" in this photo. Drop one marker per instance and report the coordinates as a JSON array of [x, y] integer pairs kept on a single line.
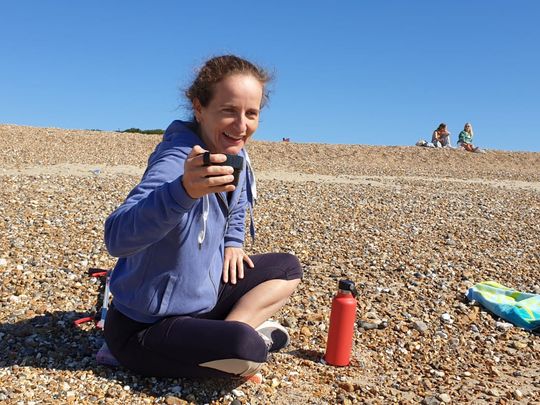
[[232, 115]]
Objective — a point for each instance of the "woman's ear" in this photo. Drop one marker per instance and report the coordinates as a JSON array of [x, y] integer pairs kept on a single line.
[[197, 109]]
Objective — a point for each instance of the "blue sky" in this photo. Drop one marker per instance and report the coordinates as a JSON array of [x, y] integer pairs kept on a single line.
[[353, 72]]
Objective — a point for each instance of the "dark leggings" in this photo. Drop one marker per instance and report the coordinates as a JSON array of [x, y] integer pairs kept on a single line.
[[205, 345]]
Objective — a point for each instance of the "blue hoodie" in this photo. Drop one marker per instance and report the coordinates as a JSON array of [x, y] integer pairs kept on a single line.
[[170, 261]]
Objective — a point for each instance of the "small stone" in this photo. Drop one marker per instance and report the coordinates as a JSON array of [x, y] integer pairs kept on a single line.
[[446, 318], [368, 325], [420, 326], [237, 393], [494, 392], [519, 345], [290, 322], [467, 275], [256, 378], [305, 331], [445, 398], [517, 394], [441, 334], [504, 325], [494, 371], [172, 400], [372, 316], [430, 401], [473, 314], [347, 386], [3, 262]]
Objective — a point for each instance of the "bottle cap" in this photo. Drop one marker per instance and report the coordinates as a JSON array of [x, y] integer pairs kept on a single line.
[[347, 285]]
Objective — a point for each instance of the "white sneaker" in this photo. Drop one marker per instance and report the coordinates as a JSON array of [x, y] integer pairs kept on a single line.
[[274, 335]]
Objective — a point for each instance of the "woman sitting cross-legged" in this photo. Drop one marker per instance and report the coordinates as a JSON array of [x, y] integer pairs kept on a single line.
[[188, 300], [465, 140]]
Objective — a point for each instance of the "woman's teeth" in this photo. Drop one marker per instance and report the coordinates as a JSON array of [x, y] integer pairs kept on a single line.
[[232, 137]]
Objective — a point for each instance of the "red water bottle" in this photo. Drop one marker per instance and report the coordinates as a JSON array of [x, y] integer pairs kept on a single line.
[[341, 331]]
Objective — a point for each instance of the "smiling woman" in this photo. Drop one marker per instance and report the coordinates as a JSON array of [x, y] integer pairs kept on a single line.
[[227, 96], [232, 116], [188, 301]]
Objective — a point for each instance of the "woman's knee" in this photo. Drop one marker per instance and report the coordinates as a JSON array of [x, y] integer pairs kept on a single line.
[[293, 266], [246, 343]]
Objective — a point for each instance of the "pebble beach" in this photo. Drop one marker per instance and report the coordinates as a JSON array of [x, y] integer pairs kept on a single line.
[[413, 227]]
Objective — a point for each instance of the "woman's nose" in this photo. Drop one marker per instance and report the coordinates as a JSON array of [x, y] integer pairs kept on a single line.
[[241, 123]]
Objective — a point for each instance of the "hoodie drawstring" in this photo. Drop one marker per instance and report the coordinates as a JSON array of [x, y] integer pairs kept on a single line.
[[252, 195], [204, 217]]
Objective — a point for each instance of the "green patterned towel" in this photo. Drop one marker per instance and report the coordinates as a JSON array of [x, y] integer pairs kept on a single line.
[[521, 309]]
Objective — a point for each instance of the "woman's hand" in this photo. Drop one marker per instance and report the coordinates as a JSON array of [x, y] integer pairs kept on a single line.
[[199, 180], [233, 264]]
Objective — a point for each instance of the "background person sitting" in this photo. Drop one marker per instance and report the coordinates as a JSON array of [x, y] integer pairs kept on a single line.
[[441, 137], [465, 139]]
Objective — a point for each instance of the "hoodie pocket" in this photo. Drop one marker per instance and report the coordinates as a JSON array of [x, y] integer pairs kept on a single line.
[[162, 295]]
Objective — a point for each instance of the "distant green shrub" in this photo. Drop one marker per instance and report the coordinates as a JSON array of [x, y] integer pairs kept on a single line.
[[144, 131]]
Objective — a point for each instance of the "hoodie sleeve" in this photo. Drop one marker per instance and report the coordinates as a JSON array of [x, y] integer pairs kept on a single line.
[[154, 207]]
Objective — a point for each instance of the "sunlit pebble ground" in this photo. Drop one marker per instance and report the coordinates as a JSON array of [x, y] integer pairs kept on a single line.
[[419, 229]]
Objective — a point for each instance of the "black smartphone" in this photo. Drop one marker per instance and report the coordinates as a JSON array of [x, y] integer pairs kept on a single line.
[[235, 161]]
